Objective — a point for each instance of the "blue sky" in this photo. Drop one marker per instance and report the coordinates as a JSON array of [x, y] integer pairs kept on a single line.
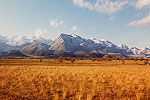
[[120, 21]]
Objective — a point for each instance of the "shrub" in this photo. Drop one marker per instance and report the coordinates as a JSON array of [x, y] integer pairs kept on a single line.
[[141, 59], [110, 59], [40, 60], [72, 60], [123, 61], [146, 62], [60, 59], [68, 58], [117, 59], [93, 59]]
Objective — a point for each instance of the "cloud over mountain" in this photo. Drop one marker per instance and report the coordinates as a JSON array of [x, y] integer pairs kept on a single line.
[[39, 32]]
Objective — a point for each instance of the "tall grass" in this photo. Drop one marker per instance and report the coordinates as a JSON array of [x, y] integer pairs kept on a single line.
[[101, 82]]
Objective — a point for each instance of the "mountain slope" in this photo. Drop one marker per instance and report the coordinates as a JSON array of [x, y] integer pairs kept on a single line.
[[75, 43], [71, 45], [4, 47], [12, 53], [35, 49]]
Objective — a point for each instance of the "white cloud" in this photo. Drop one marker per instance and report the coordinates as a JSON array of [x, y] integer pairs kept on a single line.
[[143, 22], [139, 4], [83, 4], [109, 7], [142, 3], [39, 32], [61, 22], [103, 6], [74, 28], [113, 6], [54, 23]]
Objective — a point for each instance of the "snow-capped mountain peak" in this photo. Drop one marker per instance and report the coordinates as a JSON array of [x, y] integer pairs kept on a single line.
[[145, 48], [70, 43], [123, 46], [103, 40], [21, 40], [74, 35]]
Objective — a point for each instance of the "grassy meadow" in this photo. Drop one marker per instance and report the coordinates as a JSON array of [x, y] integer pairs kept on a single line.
[[47, 79]]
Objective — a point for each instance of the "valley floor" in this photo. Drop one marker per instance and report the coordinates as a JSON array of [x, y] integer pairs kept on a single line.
[[25, 79]]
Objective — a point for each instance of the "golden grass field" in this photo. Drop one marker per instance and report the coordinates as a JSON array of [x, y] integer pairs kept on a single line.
[[30, 79]]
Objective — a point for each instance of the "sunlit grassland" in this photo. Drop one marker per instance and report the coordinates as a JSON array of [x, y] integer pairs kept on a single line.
[[83, 80]]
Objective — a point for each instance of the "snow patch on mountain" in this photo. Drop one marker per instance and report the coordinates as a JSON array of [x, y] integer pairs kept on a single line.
[[103, 42], [70, 43], [21, 40], [124, 47]]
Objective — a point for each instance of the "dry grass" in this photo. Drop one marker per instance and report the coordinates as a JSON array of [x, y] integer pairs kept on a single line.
[[83, 80]]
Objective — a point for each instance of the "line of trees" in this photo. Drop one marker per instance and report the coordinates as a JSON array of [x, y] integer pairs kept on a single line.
[[122, 60]]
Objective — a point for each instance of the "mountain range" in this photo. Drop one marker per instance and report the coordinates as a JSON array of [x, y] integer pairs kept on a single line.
[[66, 45]]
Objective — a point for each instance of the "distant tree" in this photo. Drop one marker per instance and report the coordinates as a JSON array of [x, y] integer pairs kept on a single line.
[[110, 59], [11, 57], [146, 62], [117, 59], [72, 60], [123, 61], [142, 59], [136, 59], [68, 58], [60, 59], [40, 59], [81, 58], [93, 59]]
